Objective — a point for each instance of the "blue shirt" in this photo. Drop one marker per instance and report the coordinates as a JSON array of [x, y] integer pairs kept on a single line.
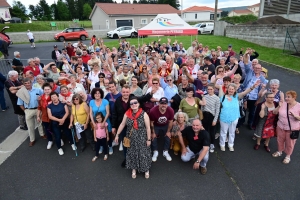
[[33, 103], [230, 110], [111, 98], [102, 109], [250, 75], [169, 91]]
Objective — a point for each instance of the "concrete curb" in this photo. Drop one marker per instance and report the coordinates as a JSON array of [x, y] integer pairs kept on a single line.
[[278, 66]]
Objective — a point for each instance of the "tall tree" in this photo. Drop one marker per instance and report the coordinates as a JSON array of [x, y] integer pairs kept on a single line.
[[134, 1], [45, 12], [53, 9], [62, 11], [72, 9], [86, 10], [79, 11], [19, 10], [173, 3]]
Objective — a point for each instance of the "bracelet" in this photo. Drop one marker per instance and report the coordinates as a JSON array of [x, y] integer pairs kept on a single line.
[[149, 140]]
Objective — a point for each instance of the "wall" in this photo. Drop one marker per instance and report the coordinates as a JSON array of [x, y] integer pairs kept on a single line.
[[265, 35], [136, 20], [201, 16], [219, 28], [99, 19]]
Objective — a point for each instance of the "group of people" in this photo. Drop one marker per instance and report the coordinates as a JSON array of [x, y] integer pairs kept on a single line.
[[133, 96]]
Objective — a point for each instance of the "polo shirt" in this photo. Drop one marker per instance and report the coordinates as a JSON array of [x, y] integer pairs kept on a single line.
[[33, 103]]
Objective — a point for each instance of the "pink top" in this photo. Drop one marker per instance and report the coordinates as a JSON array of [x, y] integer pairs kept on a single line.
[[282, 117], [100, 132]]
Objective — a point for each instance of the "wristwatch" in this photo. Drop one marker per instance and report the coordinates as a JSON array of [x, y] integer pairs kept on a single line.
[[149, 140], [197, 161]]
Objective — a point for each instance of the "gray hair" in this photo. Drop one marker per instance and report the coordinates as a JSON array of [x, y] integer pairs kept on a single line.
[[274, 81], [30, 60], [73, 75], [267, 94], [186, 117], [169, 76], [232, 85], [184, 77], [12, 73], [162, 62], [25, 80], [36, 58], [40, 76], [16, 53]]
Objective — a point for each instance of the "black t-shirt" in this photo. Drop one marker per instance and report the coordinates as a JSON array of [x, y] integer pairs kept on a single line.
[[196, 144], [208, 68]]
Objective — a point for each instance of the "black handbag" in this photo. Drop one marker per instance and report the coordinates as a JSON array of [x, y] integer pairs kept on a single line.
[[294, 134]]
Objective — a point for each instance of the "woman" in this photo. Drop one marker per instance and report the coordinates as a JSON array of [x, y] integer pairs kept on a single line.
[[138, 157], [135, 89], [58, 113], [85, 97], [206, 51], [243, 101], [170, 89], [183, 86], [74, 86], [100, 84], [159, 93], [143, 77], [265, 121], [220, 73], [191, 105], [65, 96], [40, 80], [274, 88], [134, 62], [80, 118], [211, 112], [119, 72], [230, 113], [219, 51], [107, 71], [99, 104], [289, 111], [93, 75], [172, 67], [81, 78], [180, 123], [42, 115]]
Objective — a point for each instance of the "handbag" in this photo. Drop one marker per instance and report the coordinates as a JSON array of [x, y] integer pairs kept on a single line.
[[294, 134], [126, 140]]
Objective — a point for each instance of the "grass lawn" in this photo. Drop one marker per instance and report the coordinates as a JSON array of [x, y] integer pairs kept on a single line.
[[271, 55], [44, 25]]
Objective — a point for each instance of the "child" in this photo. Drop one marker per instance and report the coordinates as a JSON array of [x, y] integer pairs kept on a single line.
[[101, 136]]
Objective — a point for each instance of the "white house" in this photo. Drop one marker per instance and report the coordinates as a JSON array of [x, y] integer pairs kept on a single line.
[[200, 13], [254, 8], [4, 10]]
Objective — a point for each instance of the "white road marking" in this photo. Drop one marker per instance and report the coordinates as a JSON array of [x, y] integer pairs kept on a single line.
[[11, 143]]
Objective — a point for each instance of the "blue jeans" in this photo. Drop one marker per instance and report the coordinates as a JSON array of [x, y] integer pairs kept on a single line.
[[2, 100], [121, 137], [57, 131], [163, 130], [46, 126]]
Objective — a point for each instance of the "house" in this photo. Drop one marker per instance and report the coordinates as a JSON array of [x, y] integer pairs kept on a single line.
[[113, 15], [4, 10], [255, 9], [240, 12], [199, 13]]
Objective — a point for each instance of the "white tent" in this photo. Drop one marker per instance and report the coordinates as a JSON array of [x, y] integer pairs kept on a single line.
[[168, 24]]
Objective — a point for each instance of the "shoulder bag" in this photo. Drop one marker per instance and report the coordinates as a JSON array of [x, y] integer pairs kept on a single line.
[[294, 134], [126, 140]]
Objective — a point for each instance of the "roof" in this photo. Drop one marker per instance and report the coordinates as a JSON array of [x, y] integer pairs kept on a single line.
[[200, 8], [242, 11], [3, 3], [136, 9], [255, 5]]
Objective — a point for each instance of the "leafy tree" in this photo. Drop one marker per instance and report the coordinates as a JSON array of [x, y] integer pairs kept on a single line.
[[19, 10], [44, 10], [172, 3], [53, 9], [134, 1], [62, 11], [86, 10], [79, 11], [71, 9], [33, 11]]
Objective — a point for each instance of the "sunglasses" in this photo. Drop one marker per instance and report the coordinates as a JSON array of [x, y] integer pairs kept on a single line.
[[135, 102], [144, 68], [154, 83], [75, 99], [220, 71], [170, 80], [101, 77]]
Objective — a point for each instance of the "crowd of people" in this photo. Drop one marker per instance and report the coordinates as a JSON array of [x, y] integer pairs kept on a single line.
[[131, 97]]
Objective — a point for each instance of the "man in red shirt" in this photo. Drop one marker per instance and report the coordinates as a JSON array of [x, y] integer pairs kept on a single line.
[[85, 56], [231, 52], [161, 118], [31, 67], [70, 49]]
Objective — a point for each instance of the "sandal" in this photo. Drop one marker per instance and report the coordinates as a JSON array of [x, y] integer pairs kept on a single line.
[[105, 157], [286, 160], [237, 131], [94, 159], [133, 175], [147, 175], [276, 154]]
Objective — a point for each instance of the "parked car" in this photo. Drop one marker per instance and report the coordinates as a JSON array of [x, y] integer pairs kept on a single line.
[[71, 34], [4, 36], [123, 31], [205, 28]]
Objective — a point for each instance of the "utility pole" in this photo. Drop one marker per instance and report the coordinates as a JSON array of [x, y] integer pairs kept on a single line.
[[181, 9], [216, 13]]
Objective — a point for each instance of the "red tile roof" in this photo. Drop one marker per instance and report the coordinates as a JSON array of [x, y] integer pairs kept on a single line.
[[255, 5], [3, 3], [200, 8], [242, 11], [136, 9]]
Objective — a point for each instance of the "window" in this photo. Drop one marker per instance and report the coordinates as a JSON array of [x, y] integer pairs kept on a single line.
[[69, 30], [195, 16], [144, 21], [128, 28], [203, 26], [212, 16], [77, 29]]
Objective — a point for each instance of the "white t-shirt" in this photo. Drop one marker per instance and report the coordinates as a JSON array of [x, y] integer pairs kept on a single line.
[[30, 35], [195, 70], [158, 94], [93, 77]]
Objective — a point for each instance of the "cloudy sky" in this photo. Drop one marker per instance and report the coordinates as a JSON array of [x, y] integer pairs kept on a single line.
[[186, 3]]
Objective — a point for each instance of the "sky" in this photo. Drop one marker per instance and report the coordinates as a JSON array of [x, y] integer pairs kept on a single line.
[[186, 3]]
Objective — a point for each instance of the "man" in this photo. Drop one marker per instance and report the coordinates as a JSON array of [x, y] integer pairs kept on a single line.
[[40, 65], [52, 72], [200, 85], [126, 75], [2, 99], [31, 67], [70, 49], [214, 59], [85, 68], [65, 54], [183, 86], [198, 145], [55, 88], [181, 48], [16, 63], [30, 75], [28, 101], [191, 49], [254, 63], [12, 86], [85, 56], [161, 118], [208, 67], [55, 54], [31, 38], [232, 63], [4, 50], [177, 59], [192, 68], [231, 52]]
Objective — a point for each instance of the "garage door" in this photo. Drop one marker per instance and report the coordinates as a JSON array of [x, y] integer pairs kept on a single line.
[[124, 23]]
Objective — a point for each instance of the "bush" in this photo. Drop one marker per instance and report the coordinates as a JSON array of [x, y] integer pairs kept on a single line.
[[240, 19]]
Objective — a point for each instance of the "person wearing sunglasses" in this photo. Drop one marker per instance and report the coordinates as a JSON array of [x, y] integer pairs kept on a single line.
[[100, 83], [143, 76], [159, 91]]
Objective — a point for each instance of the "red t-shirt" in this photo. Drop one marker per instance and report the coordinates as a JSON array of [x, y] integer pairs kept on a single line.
[[161, 119], [70, 51], [35, 70], [85, 58]]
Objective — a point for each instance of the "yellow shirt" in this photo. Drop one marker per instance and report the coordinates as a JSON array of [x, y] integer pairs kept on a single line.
[[80, 115]]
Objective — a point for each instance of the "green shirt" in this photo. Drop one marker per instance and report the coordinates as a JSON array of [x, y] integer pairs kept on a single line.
[[191, 111]]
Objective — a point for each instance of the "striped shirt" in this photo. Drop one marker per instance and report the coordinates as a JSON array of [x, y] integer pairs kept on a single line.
[[212, 106]]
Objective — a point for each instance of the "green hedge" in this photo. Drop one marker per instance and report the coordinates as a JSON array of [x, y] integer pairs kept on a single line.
[[240, 19]]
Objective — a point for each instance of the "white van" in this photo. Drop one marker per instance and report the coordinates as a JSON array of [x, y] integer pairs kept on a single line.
[[205, 28]]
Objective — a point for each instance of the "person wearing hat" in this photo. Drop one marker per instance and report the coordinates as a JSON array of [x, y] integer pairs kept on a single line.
[[31, 38], [231, 52], [161, 118], [55, 53]]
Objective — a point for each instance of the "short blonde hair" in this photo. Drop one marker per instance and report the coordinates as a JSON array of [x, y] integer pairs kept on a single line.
[[237, 76]]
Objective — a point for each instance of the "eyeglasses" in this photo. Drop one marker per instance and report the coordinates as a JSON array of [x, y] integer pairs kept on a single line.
[[144, 68], [135, 102], [170, 80], [154, 83], [220, 71], [75, 99]]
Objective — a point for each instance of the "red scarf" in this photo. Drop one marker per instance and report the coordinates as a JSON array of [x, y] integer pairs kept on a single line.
[[190, 70], [66, 95], [54, 87], [134, 118], [45, 101]]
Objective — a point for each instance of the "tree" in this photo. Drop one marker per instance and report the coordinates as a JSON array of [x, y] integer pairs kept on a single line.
[[173, 3], [62, 11], [134, 1], [71, 9], [53, 9], [45, 12], [86, 10], [19, 10]]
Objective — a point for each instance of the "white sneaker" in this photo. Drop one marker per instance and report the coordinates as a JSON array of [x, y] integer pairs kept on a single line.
[[49, 145], [231, 149], [62, 142], [73, 147], [212, 148], [114, 144], [167, 155], [121, 146], [222, 148], [60, 151], [217, 135], [155, 155]]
